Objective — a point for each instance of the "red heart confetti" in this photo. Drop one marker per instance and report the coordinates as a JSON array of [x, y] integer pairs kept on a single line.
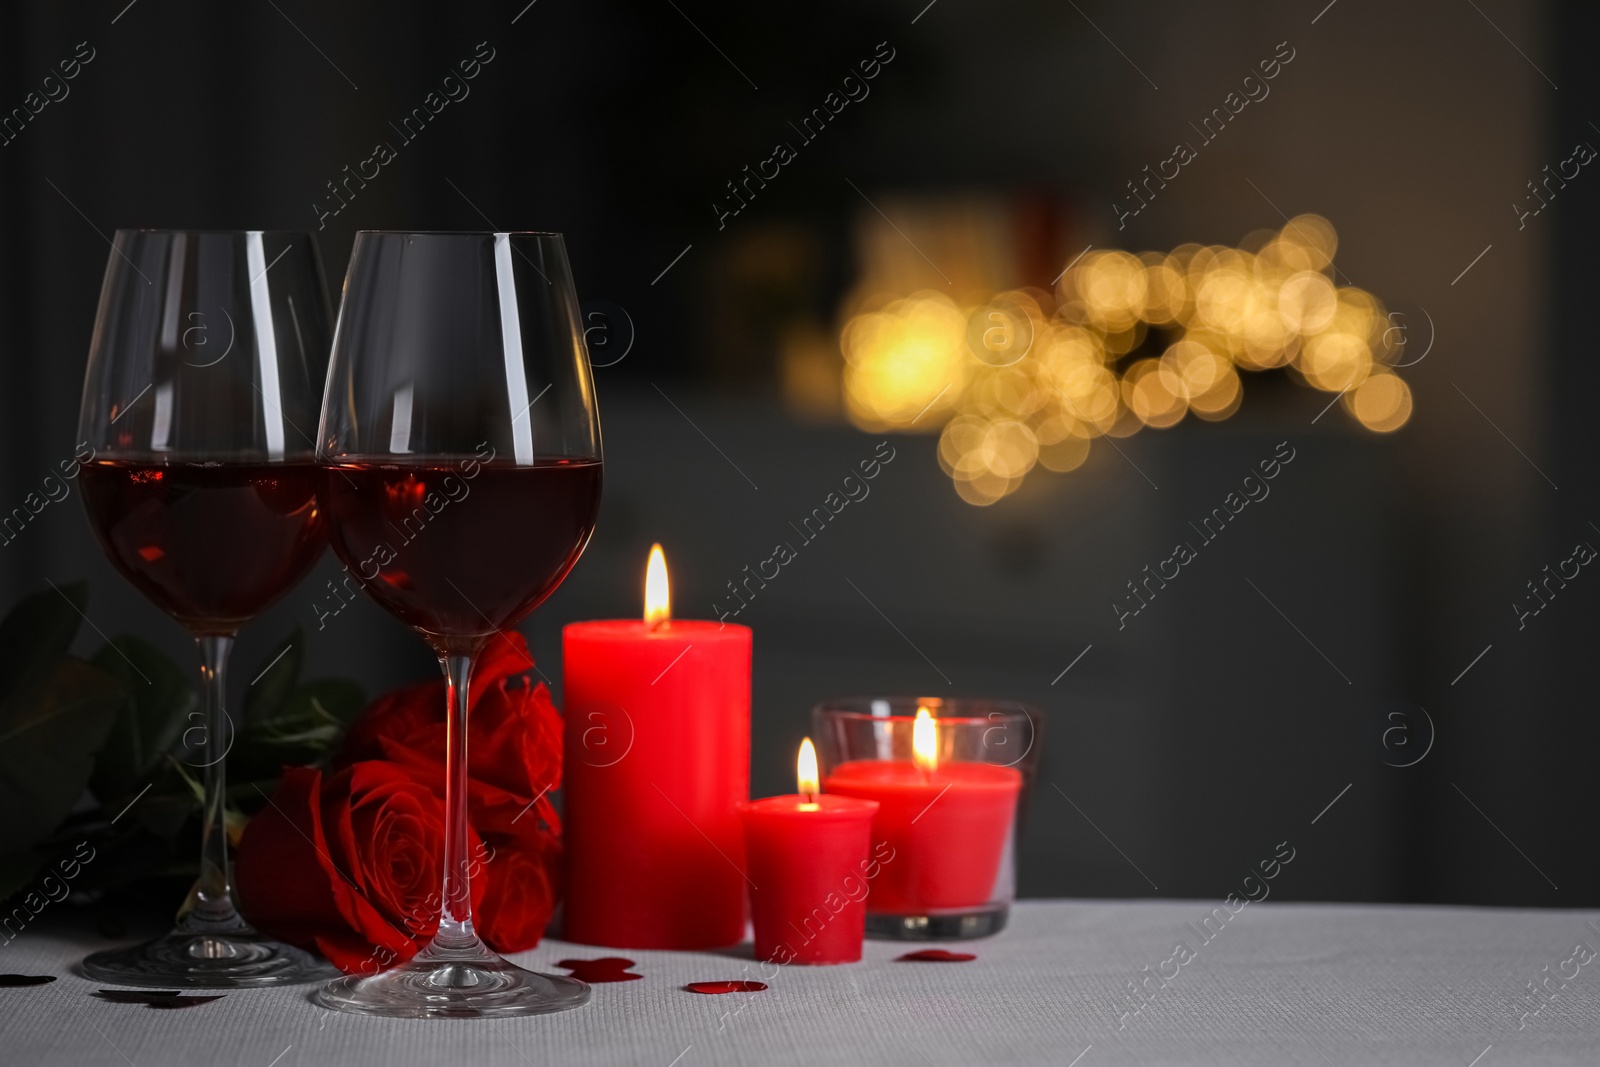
[[712, 988], [155, 998], [935, 955], [26, 979], [605, 969]]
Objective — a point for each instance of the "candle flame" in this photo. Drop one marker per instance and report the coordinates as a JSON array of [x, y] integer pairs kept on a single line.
[[806, 769], [925, 741], [657, 594]]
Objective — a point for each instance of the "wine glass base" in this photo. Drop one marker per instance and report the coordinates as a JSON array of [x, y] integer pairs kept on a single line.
[[464, 983], [241, 960]]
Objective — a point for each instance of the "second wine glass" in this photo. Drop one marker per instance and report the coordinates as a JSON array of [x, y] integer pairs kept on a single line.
[[460, 453]]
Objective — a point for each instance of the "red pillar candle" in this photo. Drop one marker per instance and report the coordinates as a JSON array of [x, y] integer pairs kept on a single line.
[[657, 760], [810, 871], [946, 825]]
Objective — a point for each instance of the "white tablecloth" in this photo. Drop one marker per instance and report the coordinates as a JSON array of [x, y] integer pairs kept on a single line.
[[1281, 984]]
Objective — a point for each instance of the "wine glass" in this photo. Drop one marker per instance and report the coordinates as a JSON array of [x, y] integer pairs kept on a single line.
[[202, 382], [460, 452]]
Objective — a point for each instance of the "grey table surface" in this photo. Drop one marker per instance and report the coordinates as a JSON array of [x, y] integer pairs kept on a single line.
[[1274, 984]]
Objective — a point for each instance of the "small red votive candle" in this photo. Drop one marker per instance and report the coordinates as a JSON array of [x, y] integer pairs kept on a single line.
[[810, 871], [944, 825]]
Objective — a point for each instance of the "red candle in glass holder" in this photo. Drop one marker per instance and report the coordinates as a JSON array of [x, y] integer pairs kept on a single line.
[[657, 760], [810, 871], [945, 825]]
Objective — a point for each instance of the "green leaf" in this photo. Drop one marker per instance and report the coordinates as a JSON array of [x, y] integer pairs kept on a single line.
[[50, 730], [262, 758], [196, 790], [37, 632], [308, 729], [152, 719], [273, 682], [337, 700]]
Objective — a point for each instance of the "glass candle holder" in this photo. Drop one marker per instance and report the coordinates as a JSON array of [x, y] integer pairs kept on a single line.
[[951, 778]]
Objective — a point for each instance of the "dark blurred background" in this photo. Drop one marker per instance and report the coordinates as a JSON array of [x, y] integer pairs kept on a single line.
[[1225, 717]]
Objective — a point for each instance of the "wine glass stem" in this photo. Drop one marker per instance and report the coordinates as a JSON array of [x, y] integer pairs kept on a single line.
[[210, 906], [455, 921]]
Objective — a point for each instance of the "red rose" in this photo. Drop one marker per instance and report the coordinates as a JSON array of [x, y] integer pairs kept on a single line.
[[520, 870], [349, 865], [513, 731], [371, 833]]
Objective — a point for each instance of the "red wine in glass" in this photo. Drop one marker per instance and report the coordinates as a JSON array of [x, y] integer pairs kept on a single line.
[[208, 356], [460, 447], [460, 549], [212, 544]]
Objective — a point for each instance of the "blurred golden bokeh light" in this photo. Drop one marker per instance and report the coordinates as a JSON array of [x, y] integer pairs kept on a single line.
[[1025, 378], [1382, 403]]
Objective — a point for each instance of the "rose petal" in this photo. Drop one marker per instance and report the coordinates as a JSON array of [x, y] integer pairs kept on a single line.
[[26, 979], [604, 969], [282, 871], [185, 1002], [155, 998], [505, 655], [716, 988], [935, 955]]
